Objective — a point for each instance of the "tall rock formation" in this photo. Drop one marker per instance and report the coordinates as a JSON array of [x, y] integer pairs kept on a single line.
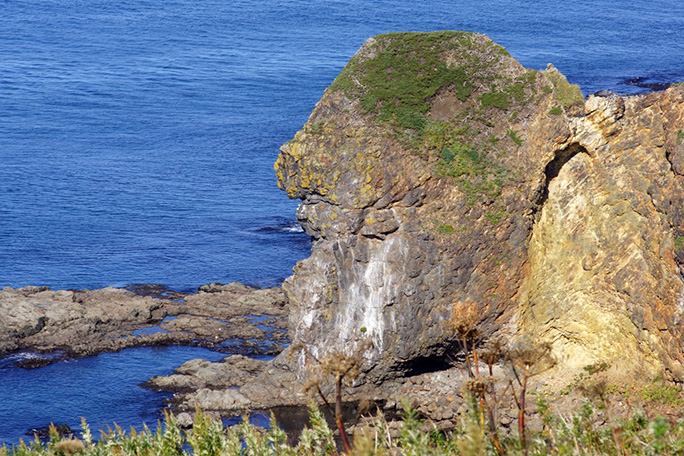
[[436, 170]]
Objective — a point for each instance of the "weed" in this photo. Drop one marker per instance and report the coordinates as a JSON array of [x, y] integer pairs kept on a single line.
[[679, 243], [663, 393], [445, 230], [556, 110], [513, 134], [680, 136]]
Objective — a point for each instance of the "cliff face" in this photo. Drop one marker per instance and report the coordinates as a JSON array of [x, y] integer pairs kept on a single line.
[[436, 170]]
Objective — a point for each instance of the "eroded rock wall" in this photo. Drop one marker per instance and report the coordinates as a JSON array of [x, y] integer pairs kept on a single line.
[[559, 219], [603, 282]]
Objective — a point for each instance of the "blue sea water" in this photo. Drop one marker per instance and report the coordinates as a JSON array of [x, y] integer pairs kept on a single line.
[[137, 137], [103, 389]]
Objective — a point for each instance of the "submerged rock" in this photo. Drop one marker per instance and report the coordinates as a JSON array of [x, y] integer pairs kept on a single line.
[[43, 433]]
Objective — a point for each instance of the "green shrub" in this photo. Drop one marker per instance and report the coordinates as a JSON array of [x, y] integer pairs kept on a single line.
[[404, 71], [567, 94], [495, 98], [513, 134]]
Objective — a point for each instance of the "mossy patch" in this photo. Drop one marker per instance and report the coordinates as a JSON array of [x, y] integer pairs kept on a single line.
[[679, 244], [680, 136], [396, 74], [567, 94], [495, 98], [406, 69]]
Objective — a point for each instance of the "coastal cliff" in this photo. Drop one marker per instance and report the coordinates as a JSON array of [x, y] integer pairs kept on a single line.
[[436, 173]]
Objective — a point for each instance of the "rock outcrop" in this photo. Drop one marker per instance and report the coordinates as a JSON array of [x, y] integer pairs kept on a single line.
[[233, 318], [436, 171]]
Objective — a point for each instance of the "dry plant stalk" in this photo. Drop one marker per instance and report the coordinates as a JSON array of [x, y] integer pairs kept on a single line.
[[343, 368], [599, 389], [464, 318], [527, 360], [463, 321]]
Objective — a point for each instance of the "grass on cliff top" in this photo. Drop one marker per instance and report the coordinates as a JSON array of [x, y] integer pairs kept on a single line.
[[568, 95], [397, 73], [396, 76]]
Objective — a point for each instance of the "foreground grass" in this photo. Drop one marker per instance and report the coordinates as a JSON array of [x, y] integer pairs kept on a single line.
[[578, 434]]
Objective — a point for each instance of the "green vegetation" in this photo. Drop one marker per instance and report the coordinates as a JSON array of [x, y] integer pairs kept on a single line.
[[680, 136], [567, 94], [577, 434], [663, 393], [317, 127], [513, 134], [520, 91], [495, 98], [496, 217], [475, 173], [402, 74], [556, 110], [679, 243], [445, 229]]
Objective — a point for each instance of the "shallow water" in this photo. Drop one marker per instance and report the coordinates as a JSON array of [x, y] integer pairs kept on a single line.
[[104, 389]]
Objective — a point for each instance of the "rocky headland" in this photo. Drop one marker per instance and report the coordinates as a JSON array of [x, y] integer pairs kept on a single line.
[[452, 195], [442, 181]]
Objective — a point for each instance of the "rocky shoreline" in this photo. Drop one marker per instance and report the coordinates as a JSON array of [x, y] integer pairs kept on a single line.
[[249, 323], [501, 208], [231, 318]]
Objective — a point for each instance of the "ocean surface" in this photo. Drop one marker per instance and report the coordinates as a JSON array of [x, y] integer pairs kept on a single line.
[[137, 140]]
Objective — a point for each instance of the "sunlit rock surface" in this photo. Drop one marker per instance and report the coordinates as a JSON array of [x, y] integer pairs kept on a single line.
[[560, 218]]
